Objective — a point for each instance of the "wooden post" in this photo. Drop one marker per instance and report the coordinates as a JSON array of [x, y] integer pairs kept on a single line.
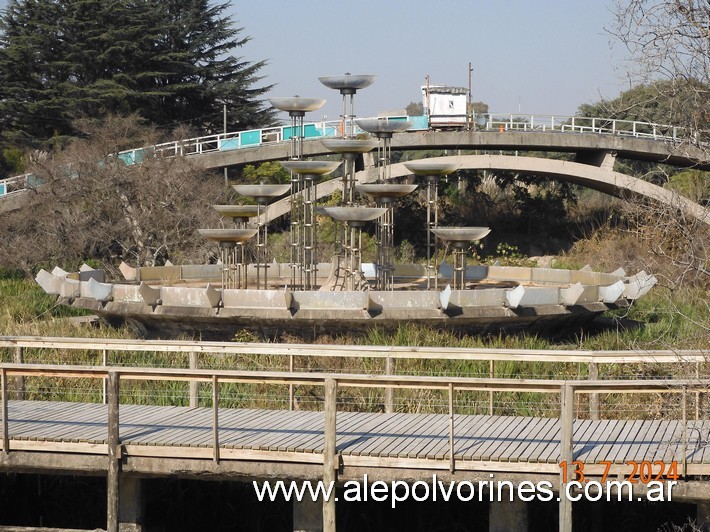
[[566, 453], [389, 391], [698, 397], [215, 417], [104, 363], [491, 374], [194, 385], [330, 462], [291, 397], [114, 453], [19, 380], [685, 431], [594, 397], [452, 462], [5, 433]]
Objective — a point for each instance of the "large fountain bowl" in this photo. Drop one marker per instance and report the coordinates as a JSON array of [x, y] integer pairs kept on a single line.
[[297, 104], [433, 168], [311, 167], [237, 211], [350, 145], [354, 215], [228, 235], [385, 191], [380, 126], [461, 236], [262, 193], [348, 83]]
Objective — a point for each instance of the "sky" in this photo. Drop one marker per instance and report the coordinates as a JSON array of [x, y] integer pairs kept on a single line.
[[531, 57]]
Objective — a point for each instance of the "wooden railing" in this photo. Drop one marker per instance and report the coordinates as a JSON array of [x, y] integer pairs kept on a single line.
[[389, 354], [331, 383]]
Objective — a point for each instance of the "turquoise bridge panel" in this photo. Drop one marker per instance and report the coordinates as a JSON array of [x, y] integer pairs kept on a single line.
[[250, 138], [229, 144]]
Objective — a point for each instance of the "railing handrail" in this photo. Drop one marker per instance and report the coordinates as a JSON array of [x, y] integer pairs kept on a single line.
[[358, 380], [361, 351]]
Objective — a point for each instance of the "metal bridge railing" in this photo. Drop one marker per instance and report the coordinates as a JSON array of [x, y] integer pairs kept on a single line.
[[272, 135]]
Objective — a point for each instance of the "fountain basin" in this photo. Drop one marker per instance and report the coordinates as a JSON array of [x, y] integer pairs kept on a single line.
[[348, 83], [236, 236], [461, 236], [350, 145], [384, 191], [425, 168], [381, 127], [262, 193], [296, 104], [237, 211], [355, 216], [311, 167]]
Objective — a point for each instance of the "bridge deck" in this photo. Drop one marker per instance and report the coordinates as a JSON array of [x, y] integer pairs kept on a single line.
[[523, 443]]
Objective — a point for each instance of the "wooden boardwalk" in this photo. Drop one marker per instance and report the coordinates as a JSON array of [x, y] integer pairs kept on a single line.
[[502, 443]]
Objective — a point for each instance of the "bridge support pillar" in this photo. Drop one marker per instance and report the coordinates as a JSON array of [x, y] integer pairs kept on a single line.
[[130, 504], [506, 516], [308, 515], [603, 159]]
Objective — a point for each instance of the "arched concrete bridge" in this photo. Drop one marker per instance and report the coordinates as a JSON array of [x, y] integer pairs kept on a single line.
[[589, 147], [601, 178]]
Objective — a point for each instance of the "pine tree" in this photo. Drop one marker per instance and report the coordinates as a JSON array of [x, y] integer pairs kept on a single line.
[[170, 61]]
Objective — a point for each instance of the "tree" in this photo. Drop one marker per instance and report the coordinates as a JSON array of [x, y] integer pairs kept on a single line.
[[670, 40], [171, 61], [91, 206]]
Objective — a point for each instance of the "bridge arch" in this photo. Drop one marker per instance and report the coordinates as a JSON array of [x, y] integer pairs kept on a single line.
[[589, 176]]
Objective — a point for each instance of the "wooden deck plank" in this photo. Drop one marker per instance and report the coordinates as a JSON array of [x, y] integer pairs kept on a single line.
[[467, 432], [417, 429], [516, 433], [603, 440], [392, 424], [620, 447], [635, 450], [356, 436], [535, 431], [546, 434], [501, 427], [66, 422], [664, 447], [504, 439]]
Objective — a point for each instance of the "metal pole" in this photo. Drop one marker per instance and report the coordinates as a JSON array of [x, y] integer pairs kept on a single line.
[[330, 462], [226, 178]]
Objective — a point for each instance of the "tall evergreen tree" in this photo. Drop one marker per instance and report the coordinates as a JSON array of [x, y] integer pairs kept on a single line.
[[172, 61]]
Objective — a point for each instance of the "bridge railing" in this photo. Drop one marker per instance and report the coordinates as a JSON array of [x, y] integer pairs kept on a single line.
[[328, 129], [560, 470], [332, 383], [580, 124], [388, 360]]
